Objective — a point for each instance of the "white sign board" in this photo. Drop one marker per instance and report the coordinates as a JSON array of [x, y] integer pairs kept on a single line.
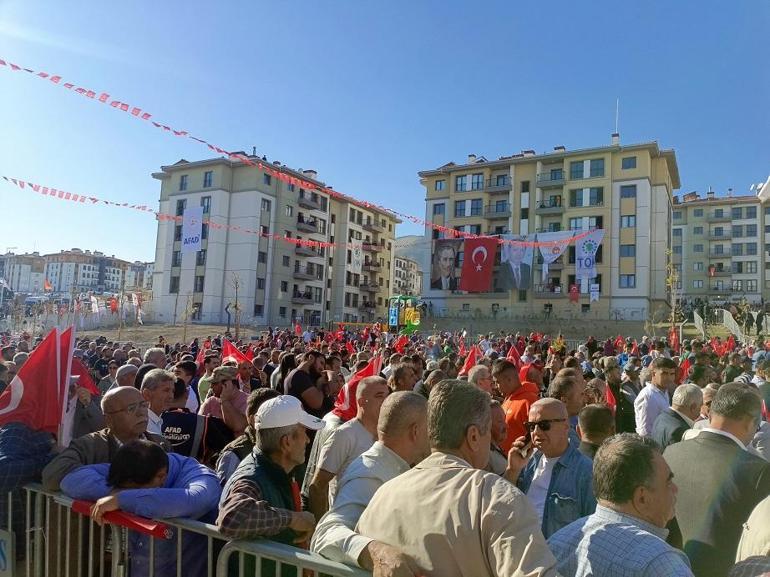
[[192, 227]]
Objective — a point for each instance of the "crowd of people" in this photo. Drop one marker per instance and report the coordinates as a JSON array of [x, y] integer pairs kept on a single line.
[[443, 455]]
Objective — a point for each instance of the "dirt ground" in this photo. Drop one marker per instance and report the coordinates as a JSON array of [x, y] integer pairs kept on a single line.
[[147, 335]]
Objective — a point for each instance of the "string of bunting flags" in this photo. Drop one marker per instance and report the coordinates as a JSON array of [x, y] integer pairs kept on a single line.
[[59, 194], [143, 115]]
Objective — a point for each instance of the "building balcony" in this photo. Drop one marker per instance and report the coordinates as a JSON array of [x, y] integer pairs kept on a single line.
[[719, 255], [371, 266], [551, 205], [551, 179], [718, 237], [546, 292], [307, 225], [302, 298], [307, 201], [305, 251], [723, 290], [494, 231], [366, 307], [719, 217], [502, 184], [373, 226], [721, 273], [371, 247], [304, 274], [368, 287], [495, 211]]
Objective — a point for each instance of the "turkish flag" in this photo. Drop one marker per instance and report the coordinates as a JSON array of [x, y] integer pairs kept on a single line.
[[574, 293], [349, 347], [470, 360], [345, 405], [85, 379], [513, 356], [200, 359], [478, 261], [250, 353], [673, 339], [229, 350], [298, 329], [35, 396]]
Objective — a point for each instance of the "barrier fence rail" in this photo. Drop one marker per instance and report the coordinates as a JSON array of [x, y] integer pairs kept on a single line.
[[55, 537]]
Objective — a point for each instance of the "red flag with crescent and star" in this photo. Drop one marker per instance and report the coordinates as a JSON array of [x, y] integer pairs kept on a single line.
[[478, 262]]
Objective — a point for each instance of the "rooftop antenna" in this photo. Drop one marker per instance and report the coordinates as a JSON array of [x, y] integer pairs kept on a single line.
[[617, 115]]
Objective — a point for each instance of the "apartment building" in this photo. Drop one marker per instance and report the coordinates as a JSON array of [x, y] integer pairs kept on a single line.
[[24, 273], [627, 190], [408, 276], [84, 270], [139, 275], [274, 283], [721, 247]]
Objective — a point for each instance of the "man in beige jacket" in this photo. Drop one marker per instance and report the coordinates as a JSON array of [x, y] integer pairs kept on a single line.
[[448, 514]]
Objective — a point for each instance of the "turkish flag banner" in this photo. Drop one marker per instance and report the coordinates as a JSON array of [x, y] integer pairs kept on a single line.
[[478, 262]]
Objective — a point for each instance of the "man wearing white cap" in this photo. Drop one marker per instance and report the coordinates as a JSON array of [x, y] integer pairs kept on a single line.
[[261, 499]]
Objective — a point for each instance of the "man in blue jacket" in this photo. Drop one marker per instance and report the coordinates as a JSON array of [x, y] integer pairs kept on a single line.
[[142, 479]]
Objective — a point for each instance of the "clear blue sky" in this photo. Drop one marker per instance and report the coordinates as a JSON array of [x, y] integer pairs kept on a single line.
[[365, 92]]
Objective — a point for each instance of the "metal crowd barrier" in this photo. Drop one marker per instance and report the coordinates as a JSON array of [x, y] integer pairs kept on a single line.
[[55, 540]]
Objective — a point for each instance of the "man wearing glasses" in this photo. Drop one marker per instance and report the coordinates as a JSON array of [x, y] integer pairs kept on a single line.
[[557, 478], [125, 417]]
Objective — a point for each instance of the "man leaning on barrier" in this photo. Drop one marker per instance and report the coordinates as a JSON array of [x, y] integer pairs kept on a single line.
[[144, 480], [125, 414]]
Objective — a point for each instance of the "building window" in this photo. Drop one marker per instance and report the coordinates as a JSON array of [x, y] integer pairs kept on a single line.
[[183, 182], [204, 231], [628, 281], [259, 310], [176, 258], [262, 256], [697, 248], [737, 249], [628, 162], [524, 213], [199, 284], [206, 203], [697, 284], [286, 260], [284, 286], [697, 230], [697, 213], [208, 178], [697, 266], [477, 181], [461, 183], [751, 212], [751, 248], [751, 230], [677, 215], [289, 210], [597, 167], [439, 208], [524, 186], [180, 206], [751, 285], [282, 312], [174, 285], [737, 212], [677, 232], [260, 284], [265, 204], [439, 185], [628, 221], [476, 206], [628, 190], [459, 208], [630, 249], [178, 232], [267, 179], [200, 257], [751, 267], [264, 230]]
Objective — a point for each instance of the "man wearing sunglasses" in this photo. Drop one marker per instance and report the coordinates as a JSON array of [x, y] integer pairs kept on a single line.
[[125, 417], [557, 477]]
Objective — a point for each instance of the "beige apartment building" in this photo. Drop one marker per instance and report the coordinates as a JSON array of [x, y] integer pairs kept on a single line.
[[408, 276], [720, 247], [274, 283], [627, 190]]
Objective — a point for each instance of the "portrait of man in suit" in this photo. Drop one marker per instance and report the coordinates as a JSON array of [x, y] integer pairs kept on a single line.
[[443, 271], [519, 256]]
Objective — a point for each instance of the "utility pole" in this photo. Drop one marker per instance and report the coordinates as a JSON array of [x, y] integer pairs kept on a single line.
[[187, 311], [237, 306], [120, 304]]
